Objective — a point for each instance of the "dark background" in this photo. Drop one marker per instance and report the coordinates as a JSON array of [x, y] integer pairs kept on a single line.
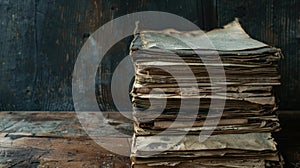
[[40, 40]]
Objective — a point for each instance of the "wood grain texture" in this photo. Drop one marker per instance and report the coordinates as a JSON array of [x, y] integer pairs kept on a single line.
[[40, 41], [17, 53], [56, 139]]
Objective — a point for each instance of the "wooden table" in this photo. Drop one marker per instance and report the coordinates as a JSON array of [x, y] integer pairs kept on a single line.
[[56, 139]]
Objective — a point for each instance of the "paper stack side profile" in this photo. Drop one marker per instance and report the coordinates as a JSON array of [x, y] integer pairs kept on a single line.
[[181, 95]]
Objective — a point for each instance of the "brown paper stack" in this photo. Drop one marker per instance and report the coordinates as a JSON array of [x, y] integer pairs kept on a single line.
[[179, 91]]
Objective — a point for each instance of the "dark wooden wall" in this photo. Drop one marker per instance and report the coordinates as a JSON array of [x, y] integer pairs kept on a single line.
[[40, 41]]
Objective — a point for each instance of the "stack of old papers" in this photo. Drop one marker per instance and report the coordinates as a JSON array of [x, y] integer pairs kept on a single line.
[[217, 85]]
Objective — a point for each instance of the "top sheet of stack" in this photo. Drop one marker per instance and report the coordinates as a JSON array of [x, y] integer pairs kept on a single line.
[[231, 37]]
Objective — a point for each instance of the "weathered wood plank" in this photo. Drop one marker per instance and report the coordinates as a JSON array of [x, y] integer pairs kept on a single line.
[[40, 41], [17, 53], [52, 139], [50, 152], [56, 139]]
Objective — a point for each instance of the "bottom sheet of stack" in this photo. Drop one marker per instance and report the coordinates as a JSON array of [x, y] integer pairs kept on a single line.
[[229, 150]]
